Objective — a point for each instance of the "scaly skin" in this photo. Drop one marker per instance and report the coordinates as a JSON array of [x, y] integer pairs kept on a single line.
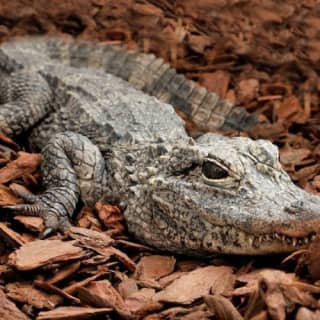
[[103, 139]]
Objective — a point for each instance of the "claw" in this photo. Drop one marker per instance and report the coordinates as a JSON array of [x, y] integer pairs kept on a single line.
[[47, 232]]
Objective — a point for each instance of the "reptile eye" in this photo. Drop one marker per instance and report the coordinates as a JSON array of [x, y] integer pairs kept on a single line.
[[213, 172]]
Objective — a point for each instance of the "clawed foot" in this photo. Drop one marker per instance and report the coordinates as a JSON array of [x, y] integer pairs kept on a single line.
[[37, 206]]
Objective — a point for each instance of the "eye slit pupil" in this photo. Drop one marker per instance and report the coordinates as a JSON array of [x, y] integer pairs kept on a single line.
[[212, 171]]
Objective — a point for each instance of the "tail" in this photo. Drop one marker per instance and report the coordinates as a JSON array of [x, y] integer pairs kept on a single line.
[[153, 76]]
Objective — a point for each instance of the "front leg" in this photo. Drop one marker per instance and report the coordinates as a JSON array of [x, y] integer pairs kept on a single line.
[[72, 167]]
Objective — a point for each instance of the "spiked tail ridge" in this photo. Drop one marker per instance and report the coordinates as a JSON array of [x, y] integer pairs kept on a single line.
[[155, 77]]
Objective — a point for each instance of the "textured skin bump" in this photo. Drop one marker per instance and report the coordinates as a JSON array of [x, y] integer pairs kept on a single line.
[[106, 138]]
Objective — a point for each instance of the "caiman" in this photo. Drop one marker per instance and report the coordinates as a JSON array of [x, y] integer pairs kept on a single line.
[[104, 119]]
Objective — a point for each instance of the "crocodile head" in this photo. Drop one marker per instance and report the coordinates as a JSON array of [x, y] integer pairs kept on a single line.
[[227, 195]]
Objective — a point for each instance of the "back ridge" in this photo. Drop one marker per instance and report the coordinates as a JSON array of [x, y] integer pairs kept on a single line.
[[149, 74]]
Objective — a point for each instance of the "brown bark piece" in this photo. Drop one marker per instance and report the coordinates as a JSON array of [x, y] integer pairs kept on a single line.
[[127, 287], [134, 245], [252, 279], [8, 141], [199, 312], [32, 223], [54, 289], [216, 82], [72, 313], [87, 219], [90, 237], [74, 286], [165, 281], [141, 299], [26, 293], [10, 236], [196, 284], [103, 294], [154, 267], [7, 197], [222, 308], [247, 90], [198, 43], [291, 157], [26, 163], [110, 216], [64, 273], [279, 291], [43, 252], [8, 309], [290, 107], [119, 255], [306, 314]]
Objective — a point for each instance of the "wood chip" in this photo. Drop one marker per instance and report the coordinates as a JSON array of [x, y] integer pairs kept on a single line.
[[72, 313], [53, 289], [90, 237], [103, 294], [110, 216], [87, 219], [26, 293], [32, 223], [127, 287], [24, 164], [306, 314], [222, 308], [121, 256], [288, 108], [8, 141], [8, 309], [43, 252], [216, 82], [10, 236], [7, 197], [140, 299], [154, 267], [64, 273], [73, 287], [196, 284], [247, 90], [165, 281]]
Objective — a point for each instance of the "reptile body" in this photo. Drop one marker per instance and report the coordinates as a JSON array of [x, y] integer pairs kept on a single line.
[[104, 120]]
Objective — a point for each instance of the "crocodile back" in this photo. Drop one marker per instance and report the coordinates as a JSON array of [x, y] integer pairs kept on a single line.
[[143, 71]]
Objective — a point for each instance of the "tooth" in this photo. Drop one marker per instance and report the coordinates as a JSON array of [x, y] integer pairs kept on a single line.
[[260, 239], [250, 240], [294, 241], [277, 236], [306, 240], [313, 237]]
